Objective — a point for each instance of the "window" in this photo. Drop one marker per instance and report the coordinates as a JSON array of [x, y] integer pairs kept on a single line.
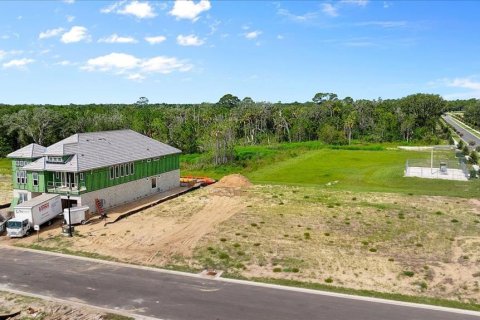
[[122, 170], [112, 173], [57, 175], [35, 178], [156, 159], [154, 183], [148, 160], [127, 169], [20, 163], [81, 176], [21, 177], [117, 171], [22, 197], [132, 168], [55, 159]]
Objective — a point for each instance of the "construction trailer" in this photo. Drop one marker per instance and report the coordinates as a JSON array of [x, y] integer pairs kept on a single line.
[[99, 170]]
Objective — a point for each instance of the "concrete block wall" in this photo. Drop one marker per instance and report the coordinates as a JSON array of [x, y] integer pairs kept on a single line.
[[130, 191]]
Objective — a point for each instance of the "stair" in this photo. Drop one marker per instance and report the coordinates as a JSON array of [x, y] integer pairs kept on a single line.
[[99, 206]]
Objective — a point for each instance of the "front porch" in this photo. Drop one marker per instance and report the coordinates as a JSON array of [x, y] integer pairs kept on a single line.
[[66, 183]]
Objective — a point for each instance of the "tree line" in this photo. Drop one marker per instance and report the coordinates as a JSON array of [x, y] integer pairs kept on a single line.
[[215, 128]]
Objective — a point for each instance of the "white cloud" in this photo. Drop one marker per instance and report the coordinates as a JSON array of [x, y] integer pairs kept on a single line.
[[253, 34], [64, 63], [188, 9], [75, 34], [329, 9], [141, 10], [135, 77], [189, 40], [383, 24], [164, 65], [295, 17], [471, 85], [69, 1], [115, 38], [70, 18], [50, 33], [4, 54], [18, 63], [360, 3], [155, 39], [112, 61], [122, 63], [280, 37], [466, 83], [113, 7]]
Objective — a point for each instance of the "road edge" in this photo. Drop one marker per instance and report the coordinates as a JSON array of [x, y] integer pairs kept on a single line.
[[253, 283]]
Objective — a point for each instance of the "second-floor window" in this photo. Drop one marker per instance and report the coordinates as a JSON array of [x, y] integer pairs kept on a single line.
[[21, 177]]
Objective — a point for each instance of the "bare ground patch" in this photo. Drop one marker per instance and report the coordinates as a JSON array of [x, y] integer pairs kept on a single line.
[[414, 245]]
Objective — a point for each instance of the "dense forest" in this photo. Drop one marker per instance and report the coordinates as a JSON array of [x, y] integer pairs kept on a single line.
[[215, 128]]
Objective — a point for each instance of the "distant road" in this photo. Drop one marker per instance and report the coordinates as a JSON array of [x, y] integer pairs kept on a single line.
[[467, 136], [165, 295]]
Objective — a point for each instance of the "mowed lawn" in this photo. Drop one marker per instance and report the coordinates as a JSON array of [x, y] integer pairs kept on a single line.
[[360, 170]]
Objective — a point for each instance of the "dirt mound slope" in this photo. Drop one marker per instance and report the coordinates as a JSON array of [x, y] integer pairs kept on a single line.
[[233, 181]]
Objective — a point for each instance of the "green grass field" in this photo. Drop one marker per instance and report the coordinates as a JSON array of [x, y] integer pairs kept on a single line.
[[360, 170], [5, 166], [364, 168]]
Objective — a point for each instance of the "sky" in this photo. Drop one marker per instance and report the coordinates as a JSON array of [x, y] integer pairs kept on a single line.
[[73, 51]]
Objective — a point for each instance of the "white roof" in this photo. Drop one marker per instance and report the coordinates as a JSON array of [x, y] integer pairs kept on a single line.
[[101, 149], [31, 151], [37, 200]]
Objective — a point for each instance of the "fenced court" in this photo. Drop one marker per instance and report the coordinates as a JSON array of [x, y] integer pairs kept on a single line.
[[446, 169]]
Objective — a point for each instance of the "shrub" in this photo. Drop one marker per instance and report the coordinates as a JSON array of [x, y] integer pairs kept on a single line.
[[354, 198], [439, 213], [365, 243], [253, 224], [241, 253], [327, 234], [277, 269], [307, 235], [408, 273], [419, 245], [223, 239], [329, 280], [223, 255], [295, 270], [210, 249], [454, 220], [256, 244], [306, 197], [471, 142], [236, 245], [372, 250], [391, 259]]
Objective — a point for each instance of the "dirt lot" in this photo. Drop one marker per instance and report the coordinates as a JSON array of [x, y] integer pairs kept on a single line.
[[383, 242], [32, 308], [5, 189]]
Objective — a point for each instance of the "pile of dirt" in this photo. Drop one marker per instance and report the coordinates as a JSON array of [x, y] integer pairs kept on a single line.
[[233, 181]]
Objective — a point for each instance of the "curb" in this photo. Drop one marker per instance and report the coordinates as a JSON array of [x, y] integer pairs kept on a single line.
[[257, 284]]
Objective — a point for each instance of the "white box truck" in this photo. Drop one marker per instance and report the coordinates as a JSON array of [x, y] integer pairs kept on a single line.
[[34, 212]]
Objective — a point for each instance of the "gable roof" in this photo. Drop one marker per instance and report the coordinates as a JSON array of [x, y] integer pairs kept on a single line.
[[101, 149], [31, 151]]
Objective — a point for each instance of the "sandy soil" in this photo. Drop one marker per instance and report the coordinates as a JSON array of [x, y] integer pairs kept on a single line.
[[384, 242], [5, 189], [32, 308]]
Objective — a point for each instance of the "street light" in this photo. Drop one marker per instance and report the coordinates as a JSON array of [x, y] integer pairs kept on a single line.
[[69, 217]]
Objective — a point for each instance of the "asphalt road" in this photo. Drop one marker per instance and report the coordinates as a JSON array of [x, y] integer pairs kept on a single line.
[[171, 296], [467, 136]]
